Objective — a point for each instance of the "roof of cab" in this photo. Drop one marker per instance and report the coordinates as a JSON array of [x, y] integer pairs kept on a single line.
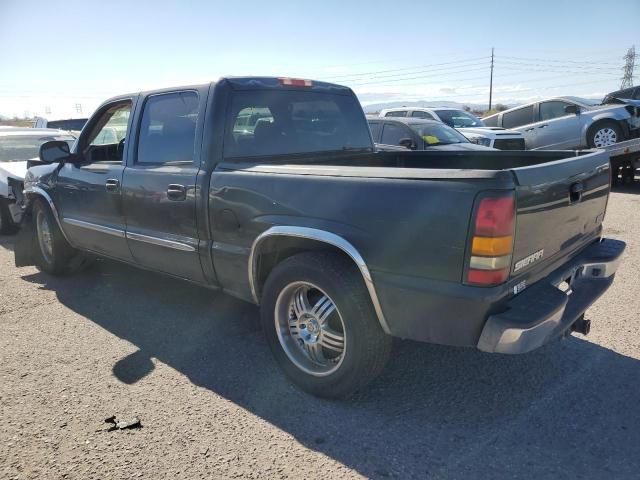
[[260, 83], [243, 83]]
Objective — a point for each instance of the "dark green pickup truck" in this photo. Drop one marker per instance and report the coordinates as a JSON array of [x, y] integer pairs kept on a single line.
[[271, 190]]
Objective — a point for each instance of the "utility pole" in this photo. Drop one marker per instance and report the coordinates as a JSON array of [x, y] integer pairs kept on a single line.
[[491, 80], [629, 63]]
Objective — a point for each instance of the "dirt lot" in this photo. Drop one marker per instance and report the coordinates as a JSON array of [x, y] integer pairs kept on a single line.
[[194, 367]]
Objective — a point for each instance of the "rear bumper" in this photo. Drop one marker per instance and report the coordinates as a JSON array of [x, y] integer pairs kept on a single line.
[[543, 311]]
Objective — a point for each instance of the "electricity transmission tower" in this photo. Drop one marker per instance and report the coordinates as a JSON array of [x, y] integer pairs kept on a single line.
[[629, 63]]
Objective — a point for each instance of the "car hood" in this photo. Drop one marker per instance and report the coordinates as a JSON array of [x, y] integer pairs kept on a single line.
[[489, 132], [609, 107], [15, 170]]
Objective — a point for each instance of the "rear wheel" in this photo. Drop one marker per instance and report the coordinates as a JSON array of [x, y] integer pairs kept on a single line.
[[53, 253], [603, 134], [321, 326]]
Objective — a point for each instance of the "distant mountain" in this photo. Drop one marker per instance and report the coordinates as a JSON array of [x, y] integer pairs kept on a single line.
[[376, 107]]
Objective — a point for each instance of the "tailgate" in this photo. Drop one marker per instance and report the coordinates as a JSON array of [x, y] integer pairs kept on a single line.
[[560, 208]]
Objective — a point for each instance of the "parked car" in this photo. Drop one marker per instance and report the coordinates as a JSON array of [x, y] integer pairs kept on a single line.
[[470, 126], [73, 125], [342, 246], [632, 93], [418, 134], [570, 122], [17, 147]]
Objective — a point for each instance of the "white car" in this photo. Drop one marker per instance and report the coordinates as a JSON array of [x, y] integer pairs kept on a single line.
[[17, 147], [73, 125], [470, 126]]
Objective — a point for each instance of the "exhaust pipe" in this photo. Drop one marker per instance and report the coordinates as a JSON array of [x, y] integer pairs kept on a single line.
[[581, 326]]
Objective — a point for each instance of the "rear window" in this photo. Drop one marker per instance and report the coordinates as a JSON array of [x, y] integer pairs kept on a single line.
[[288, 122], [459, 119], [396, 113]]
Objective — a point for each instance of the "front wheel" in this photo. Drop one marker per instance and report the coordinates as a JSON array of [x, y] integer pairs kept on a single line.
[[604, 134], [321, 326], [53, 253]]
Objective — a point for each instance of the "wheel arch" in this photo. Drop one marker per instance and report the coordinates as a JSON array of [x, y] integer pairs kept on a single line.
[[622, 123], [34, 193], [280, 242]]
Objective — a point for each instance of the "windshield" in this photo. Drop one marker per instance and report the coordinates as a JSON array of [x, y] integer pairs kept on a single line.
[[438, 134], [459, 119], [18, 148]]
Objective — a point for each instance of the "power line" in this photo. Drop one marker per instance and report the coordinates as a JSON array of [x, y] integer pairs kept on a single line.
[[551, 60], [563, 67], [362, 74], [394, 80]]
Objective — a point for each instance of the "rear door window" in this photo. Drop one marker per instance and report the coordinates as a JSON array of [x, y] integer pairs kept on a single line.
[[517, 118], [271, 122]]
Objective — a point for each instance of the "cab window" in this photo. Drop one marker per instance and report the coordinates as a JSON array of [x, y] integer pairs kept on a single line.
[[168, 128], [105, 142]]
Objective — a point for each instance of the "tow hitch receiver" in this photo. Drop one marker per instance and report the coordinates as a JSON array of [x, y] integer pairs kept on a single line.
[[581, 325]]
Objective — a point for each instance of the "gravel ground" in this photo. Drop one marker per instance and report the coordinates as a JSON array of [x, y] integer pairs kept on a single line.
[[193, 366]]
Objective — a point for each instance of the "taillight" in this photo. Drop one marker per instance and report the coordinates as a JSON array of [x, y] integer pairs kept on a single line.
[[295, 82], [492, 241]]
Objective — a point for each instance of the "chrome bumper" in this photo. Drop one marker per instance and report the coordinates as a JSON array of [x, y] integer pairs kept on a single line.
[[544, 311]]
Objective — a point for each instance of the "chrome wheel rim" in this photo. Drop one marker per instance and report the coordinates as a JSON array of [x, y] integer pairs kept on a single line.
[[310, 329], [605, 137], [45, 239]]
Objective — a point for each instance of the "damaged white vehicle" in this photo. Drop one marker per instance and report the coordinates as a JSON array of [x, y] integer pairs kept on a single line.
[[19, 148]]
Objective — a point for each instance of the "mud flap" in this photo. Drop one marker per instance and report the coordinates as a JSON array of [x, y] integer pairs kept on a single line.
[[24, 248]]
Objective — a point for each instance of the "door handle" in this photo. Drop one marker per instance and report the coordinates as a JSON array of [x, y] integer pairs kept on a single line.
[[542, 126], [529, 129], [575, 192], [112, 185], [176, 192]]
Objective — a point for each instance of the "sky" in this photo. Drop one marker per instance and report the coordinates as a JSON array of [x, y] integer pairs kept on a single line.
[[62, 59]]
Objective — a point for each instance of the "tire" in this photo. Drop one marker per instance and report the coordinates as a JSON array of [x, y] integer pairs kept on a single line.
[[604, 133], [6, 222], [331, 345], [53, 254]]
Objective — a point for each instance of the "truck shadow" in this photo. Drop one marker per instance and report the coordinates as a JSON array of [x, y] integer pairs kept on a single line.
[[570, 408]]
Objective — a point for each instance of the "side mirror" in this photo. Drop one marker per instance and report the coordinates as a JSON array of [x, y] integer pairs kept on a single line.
[[54, 151], [407, 143], [572, 109]]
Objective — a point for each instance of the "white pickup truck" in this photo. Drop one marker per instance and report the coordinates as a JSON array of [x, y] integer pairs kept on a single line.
[[471, 127]]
